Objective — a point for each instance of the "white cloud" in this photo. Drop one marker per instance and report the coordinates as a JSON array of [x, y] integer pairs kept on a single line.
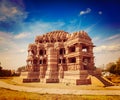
[[100, 12], [88, 10], [113, 37], [13, 52], [107, 48], [21, 35], [41, 27], [6, 40], [104, 58], [106, 53], [95, 39], [9, 11], [22, 50]]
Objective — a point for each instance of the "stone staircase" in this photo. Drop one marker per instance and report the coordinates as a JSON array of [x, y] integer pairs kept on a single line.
[[100, 81], [105, 81]]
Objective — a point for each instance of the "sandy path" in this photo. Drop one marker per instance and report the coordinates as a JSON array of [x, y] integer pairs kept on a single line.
[[59, 91]]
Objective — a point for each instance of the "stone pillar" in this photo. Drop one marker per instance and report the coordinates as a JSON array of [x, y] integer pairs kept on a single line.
[[78, 47], [61, 72], [79, 58], [90, 50], [52, 70], [41, 72], [67, 50], [44, 52], [92, 63], [38, 50]]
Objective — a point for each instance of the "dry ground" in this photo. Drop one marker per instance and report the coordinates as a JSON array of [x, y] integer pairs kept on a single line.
[[7, 94], [16, 84], [18, 81]]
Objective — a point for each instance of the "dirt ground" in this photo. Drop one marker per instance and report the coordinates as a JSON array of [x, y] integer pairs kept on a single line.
[[16, 84]]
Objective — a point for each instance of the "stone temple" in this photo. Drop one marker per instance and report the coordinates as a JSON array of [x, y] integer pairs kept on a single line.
[[60, 57]]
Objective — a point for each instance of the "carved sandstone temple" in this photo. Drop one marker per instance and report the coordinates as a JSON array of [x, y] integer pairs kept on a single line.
[[61, 57]]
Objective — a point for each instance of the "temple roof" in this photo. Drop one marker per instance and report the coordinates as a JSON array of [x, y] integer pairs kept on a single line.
[[53, 36], [80, 34], [60, 35]]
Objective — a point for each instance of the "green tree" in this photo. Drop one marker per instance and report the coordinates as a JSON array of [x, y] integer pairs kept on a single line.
[[0, 67], [114, 67], [109, 66], [117, 69]]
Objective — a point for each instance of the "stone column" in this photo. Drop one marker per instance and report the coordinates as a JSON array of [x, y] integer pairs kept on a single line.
[[38, 50], [78, 47], [90, 50], [67, 50], [52, 70], [61, 72], [91, 63], [79, 58]]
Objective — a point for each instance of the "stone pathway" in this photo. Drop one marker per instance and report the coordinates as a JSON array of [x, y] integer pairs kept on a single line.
[[59, 91]]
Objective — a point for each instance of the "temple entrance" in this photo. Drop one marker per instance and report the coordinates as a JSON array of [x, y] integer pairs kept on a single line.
[[86, 61]]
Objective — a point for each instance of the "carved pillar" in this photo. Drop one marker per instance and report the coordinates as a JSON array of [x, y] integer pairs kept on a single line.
[[78, 47], [61, 72], [79, 58], [91, 63], [67, 50], [52, 70], [44, 52], [90, 50], [38, 50]]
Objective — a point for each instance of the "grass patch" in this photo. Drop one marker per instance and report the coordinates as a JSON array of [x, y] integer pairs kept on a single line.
[[7, 94]]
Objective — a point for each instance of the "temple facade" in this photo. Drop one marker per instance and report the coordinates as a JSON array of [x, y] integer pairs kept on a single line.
[[61, 57]]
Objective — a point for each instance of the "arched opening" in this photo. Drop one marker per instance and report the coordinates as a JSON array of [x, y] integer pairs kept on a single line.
[[84, 48], [34, 61], [40, 62], [59, 61], [62, 51], [64, 60], [41, 52], [86, 61], [72, 49], [32, 52], [44, 51], [40, 41]]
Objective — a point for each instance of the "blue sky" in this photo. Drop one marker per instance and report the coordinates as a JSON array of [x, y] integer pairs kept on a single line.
[[22, 20]]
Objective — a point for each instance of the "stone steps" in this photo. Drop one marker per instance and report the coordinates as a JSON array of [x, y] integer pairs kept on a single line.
[[100, 81], [104, 81]]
